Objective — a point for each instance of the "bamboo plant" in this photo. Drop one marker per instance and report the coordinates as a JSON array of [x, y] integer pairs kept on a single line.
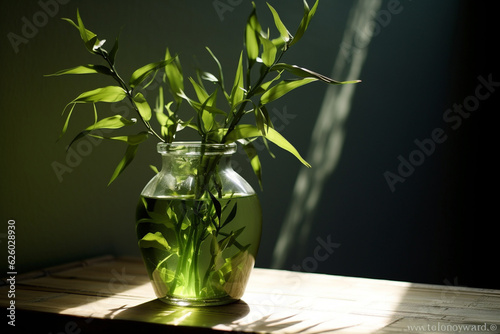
[[258, 81], [223, 113]]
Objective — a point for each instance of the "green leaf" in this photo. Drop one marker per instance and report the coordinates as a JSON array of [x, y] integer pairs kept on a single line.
[[154, 240], [154, 169], [231, 215], [229, 240], [263, 120], [112, 122], [253, 156], [221, 74], [77, 137], [265, 86], [85, 34], [168, 122], [132, 139], [305, 73], [153, 77], [285, 35], [143, 106], [201, 93], [85, 132], [199, 106], [282, 88], [214, 246], [105, 94], [160, 102], [94, 44], [278, 42], [83, 69], [112, 53], [142, 73], [187, 124], [216, 204], [244, 131], [173, 72], [224, 243], [207, 116], [166, 275], [89, 38], [237, 92], [95, 113], [306, 19], [126, 160], [252, 31], [269, 52], [66, 123], [206, 109], [260, 120]]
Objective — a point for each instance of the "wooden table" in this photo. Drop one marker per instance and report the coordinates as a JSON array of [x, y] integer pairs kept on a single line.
[[111, 295]]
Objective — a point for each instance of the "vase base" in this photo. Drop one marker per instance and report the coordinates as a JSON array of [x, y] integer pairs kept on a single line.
[[197, 302]]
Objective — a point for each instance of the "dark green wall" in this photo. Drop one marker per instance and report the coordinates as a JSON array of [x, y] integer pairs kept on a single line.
[[419, 65]]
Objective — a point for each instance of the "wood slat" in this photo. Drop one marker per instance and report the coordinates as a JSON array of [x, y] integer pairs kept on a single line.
[[103, 294]]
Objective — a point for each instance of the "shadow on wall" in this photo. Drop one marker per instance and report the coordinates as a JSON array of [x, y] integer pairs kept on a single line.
[[329, 132], [404, 201]]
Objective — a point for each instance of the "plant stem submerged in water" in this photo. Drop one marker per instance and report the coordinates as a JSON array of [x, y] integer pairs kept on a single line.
[[200, 254]]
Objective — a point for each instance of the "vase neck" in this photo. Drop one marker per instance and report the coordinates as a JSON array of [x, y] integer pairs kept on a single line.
[[195, 158], [196, 149], [198, 171]]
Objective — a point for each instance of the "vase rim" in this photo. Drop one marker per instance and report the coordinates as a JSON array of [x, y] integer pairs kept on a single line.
[[196, 148]]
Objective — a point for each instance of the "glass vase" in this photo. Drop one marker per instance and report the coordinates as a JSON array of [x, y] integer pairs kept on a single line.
[[198, 226]]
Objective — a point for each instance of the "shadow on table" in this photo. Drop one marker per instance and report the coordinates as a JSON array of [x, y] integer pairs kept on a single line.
[[225, 317], [156, 311], [151, 316]]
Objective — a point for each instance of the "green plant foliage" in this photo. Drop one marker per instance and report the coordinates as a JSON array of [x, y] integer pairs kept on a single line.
[[126, 160], [143, 106], [252, 32], [200, 244], [243, 116], [244, 131], [284, 34], [84, 69], [154, 240], [105, 94], [282, 88], [142, 73], [306, 19]]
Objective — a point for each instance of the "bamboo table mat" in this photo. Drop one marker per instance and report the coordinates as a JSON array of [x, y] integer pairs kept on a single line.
[[111, 295]]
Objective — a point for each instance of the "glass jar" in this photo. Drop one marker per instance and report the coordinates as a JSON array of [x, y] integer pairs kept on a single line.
[[198, 226]]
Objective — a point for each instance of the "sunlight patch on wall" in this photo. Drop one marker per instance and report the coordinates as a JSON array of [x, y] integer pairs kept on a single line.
[[329, 132]]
